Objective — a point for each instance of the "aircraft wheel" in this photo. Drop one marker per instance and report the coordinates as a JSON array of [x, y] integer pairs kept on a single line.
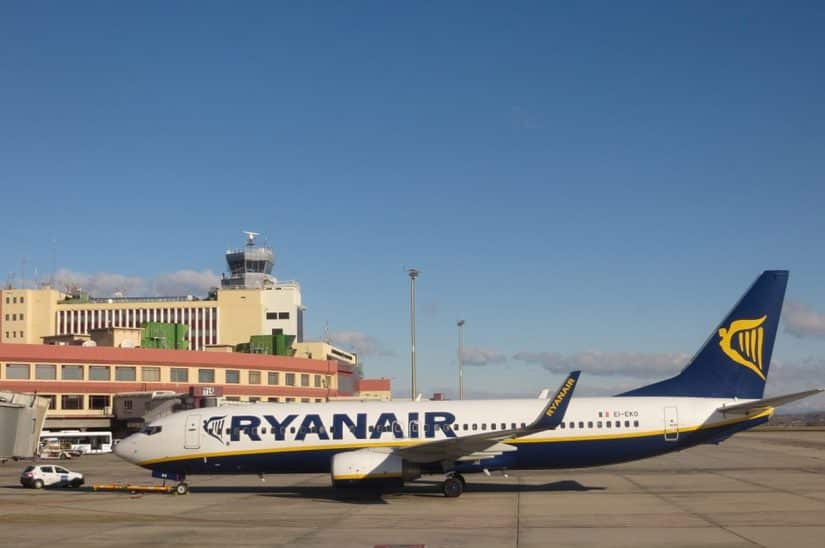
[[452, 487], [181, 489]]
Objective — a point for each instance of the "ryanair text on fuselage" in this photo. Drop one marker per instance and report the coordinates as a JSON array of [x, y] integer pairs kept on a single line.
[[253, 427]]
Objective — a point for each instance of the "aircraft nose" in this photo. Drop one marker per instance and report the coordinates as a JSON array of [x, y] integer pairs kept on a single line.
[[127, 449]]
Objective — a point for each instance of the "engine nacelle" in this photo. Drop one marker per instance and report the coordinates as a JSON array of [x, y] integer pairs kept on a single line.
[[371, 466]]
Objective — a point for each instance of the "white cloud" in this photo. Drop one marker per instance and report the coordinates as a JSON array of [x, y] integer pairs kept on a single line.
[[186, 282], [106, 284], [101, 284], [631, 364], [482, 356], [801, 321], [358, 342]]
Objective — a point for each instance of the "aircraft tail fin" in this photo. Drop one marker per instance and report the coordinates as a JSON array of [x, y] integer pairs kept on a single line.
[[735, 360], [556, 407]]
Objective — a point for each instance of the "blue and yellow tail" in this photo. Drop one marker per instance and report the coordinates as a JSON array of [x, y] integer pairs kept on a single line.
[[735, 360]]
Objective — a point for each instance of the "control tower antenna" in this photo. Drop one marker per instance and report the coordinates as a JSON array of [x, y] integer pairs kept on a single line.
[[250, 237]]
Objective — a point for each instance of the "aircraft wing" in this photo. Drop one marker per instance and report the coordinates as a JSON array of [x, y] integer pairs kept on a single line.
[[489, 444], [744, 408]]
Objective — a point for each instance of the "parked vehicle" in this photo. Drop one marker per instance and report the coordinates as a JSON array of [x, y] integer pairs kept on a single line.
[[46, 475]]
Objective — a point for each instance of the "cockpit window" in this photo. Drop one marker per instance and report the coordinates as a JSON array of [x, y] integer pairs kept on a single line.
[[150, 430]]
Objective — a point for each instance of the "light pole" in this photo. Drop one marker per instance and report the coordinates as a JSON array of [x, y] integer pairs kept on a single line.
[[413, 273], [460, 325]]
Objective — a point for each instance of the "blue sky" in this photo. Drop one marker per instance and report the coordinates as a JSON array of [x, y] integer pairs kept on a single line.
[[599, 180]]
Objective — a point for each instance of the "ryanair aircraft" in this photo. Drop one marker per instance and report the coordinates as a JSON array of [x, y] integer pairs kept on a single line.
[[720, 392]]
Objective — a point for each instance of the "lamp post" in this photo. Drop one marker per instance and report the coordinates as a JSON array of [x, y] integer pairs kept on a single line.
[[460, 325], [413, 273]]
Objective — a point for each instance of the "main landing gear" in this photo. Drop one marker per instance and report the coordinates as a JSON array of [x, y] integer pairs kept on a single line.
[[181, 488], [453, 485]]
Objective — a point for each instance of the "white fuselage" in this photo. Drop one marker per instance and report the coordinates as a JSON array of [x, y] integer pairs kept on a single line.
[[282, 438]]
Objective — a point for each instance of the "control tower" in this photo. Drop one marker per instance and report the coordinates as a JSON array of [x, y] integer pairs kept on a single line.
[[250, 267]]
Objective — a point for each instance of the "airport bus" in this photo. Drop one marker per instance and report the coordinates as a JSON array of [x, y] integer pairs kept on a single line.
[[86, 443]]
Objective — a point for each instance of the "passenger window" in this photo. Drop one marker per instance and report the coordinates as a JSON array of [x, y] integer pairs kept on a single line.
[[292, 430], [572, 424], [484, 426], [513, 426], [504, 426], [465, 426], [475, 426], [608, 424], [523, 425], [618, 424], [581, 424], [492, 426], [627, 424], [562, 426], [598, 424], [635, 423]]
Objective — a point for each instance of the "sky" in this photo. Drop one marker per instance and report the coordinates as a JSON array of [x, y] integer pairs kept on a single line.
[[588, 184]]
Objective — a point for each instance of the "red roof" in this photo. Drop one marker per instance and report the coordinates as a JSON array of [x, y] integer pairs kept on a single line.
[[373, 384], [44, 353]]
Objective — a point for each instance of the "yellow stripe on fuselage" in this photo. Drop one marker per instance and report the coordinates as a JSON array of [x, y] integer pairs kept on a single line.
[[515, 441]]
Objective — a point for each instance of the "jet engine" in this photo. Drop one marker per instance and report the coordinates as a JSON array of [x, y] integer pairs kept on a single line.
[[370, 466]]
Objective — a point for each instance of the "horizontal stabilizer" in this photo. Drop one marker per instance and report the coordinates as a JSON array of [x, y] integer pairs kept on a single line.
[[765, 403]]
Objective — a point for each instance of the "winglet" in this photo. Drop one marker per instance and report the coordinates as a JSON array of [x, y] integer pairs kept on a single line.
[[554, 411]]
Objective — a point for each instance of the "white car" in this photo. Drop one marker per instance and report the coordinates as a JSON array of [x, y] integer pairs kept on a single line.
[[47, 475]]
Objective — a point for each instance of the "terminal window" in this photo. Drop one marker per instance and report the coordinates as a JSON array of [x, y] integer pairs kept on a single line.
[[318, 381], [125, 374], [283, 315], [99, 373], [206, 375], [178, 374], [98, 402], [304, 380], [150, 374], [272, 378], [233, 376], [71, 372], [71, 401], [290, 379], [254, 377], [17, 371], [45, 371]]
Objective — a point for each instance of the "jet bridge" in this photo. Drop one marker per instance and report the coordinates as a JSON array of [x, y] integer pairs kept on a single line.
[[21, 420]]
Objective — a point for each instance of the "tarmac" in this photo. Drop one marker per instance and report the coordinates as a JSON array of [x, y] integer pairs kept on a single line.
[[756, 489]]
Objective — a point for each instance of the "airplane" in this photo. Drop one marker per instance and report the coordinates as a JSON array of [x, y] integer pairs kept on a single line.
[[719, 393]]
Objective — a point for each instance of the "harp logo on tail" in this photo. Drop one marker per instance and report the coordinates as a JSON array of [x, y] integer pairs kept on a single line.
[[742, 342]]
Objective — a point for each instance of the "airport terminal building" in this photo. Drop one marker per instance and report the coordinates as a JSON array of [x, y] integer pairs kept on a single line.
[[243, 342], [80, 382], [249, 302]]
